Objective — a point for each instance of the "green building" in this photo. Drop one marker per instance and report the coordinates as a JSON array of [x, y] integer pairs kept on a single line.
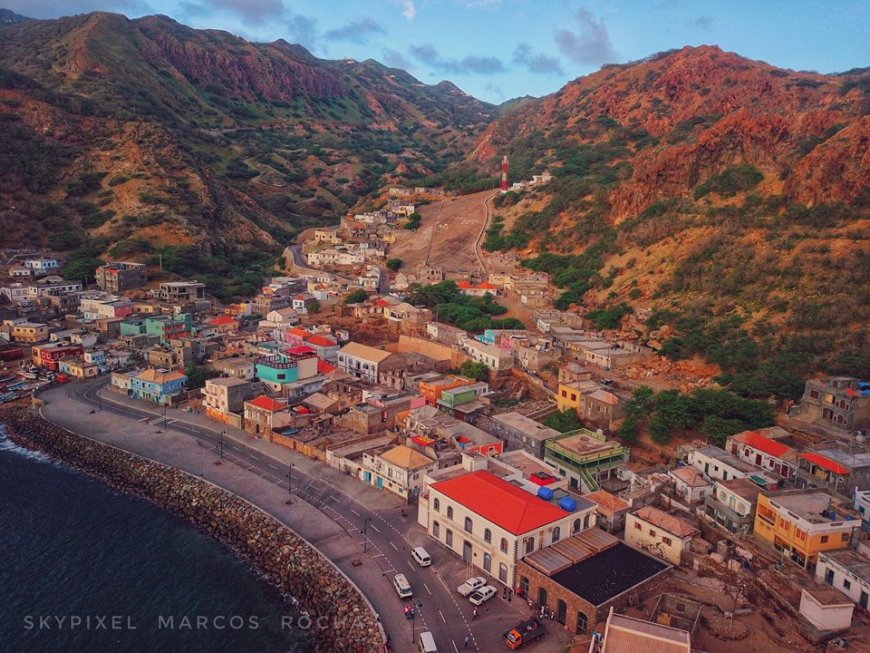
[[584, 457]]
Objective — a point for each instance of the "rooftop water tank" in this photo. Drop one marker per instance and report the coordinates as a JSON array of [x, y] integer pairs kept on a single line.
[[568, 504], [545, 493]]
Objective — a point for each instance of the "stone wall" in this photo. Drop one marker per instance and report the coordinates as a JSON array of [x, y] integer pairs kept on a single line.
[[341, 619]]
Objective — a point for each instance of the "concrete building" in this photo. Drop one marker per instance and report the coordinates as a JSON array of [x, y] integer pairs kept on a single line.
[[628, 635], [227, 395], [847, 571], [158, 386], [495, 358], [826, 609], [366, 363], [399, 469], [29, 332], [841, 467], [40, 266], [841, 403], [584, 456], [120, 276], [690, 485], [732, 504], [610, 510], [181, 292], [801, 524], [659, 533], [581, 578], [521, 432], [492, 524], [718, 465], [263, 415], [767, 449], [240, 367]]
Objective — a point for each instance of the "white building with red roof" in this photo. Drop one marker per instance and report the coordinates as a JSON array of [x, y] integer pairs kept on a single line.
[[492, 523], [765, 449]]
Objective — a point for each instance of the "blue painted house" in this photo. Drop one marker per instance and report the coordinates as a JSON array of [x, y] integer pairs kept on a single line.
[[158, 386]]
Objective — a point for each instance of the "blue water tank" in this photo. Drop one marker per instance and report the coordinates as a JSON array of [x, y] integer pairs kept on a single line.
[[545, 493], [568, 504]]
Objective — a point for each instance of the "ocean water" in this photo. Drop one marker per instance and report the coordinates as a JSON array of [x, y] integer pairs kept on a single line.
[[86, 569]]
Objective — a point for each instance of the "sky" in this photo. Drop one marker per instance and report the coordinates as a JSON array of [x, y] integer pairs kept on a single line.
[[500, 49]]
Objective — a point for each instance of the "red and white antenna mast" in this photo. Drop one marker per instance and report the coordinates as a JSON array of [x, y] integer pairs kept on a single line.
[[504, 164]]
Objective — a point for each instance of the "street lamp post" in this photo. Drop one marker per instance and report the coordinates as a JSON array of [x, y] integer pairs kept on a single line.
[[290, 479], [366, 534], [222, 443]]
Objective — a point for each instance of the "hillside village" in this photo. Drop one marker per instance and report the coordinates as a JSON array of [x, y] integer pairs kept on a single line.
[[505, 443]]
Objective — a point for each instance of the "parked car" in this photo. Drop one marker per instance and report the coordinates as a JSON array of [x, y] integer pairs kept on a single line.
[[402, 586], [482, 595], [472, 584]]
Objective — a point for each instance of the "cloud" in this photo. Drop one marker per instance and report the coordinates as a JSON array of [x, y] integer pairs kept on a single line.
[[302, 29], [590, 45], [252, 12], [495, 90], [471, 64], [395, 59], [702, 22], [536, 63], [408, 9], [55, 9], [356, 31]]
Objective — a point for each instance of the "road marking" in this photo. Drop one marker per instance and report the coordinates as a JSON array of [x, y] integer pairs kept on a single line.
[[455, 648], [272, 466], [376, 529], [250, 455], [355, 512], [427, 589], [442, 616], [443, 583], [413, 568], [144, 419], [393, 545], [172, 421]]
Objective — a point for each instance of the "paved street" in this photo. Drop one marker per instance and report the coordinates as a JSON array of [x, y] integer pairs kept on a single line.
[[257, 471]]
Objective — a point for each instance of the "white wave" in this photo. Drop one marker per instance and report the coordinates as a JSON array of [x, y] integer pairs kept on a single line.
[[8, 445]]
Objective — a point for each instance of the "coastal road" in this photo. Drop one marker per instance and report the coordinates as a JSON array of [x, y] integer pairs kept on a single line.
[[387, 539]]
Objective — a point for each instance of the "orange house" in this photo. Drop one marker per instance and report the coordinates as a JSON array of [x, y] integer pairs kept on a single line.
[[432, 390]]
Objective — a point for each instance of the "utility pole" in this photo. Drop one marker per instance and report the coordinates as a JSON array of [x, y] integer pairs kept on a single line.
[[290, 479], [222, 443]]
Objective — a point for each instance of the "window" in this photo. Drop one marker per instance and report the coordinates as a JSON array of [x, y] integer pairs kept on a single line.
[[582, 621], [575, 528], [586, 522], [503, 545], [448, 538], [556, 534], [652, 532], [846, 584], [824, 539], [436, 529], [638, 526], [799, 534], [487, 535], [449, 512], [469, 527], [530, 544], [487, 562], [564, 393], [502, 572], [667, 541], [844, 537]]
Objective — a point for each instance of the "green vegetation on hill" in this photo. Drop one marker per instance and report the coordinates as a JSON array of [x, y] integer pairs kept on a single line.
[[715, 413], [469, 313]]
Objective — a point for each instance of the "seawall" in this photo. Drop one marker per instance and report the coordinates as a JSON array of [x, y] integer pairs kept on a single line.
[[341, 620]]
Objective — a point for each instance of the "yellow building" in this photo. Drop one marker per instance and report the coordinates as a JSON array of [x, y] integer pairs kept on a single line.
[[570, 395], [29, 332], [802, 523]]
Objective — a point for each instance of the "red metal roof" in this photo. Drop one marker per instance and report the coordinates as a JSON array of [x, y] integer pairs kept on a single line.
[[463, 285], [766, 445], [324, 368], [321, 341], [298, 331], [267, 403], [486, 285], [500, 502], [299, 350], [824, 462]]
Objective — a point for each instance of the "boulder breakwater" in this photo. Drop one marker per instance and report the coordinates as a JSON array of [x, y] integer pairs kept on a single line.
[[338, 617]]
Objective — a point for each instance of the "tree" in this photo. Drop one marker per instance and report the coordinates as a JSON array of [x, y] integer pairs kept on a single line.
[[394, 264], [82, 269], [563, 421], [314, 307], [356, 297], [197, 376], [474, 370], [628, 430]]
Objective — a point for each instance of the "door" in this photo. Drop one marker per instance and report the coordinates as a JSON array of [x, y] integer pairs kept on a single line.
[[466, 550], [863, 601], [829, 576], [707, 469], [367, 477], [561, 611], [542, 596], [380, 482]]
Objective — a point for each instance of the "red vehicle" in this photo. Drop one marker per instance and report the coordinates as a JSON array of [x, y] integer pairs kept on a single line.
[[523, 633], [62, 378]]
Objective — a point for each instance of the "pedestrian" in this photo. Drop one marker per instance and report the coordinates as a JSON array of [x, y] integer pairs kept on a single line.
[[466, 642], [474, 614], [510, 593]]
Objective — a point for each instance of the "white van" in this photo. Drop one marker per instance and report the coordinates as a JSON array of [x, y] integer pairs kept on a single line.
[[403, 587], [421, 556], [427, 643]]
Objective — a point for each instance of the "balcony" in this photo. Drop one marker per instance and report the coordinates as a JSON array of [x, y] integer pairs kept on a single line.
[[728, 517]]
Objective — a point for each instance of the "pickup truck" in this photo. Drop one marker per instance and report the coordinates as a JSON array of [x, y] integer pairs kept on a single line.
[[523, 633]]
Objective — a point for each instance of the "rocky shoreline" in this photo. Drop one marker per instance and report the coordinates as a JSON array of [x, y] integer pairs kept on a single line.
[[340, 618]]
